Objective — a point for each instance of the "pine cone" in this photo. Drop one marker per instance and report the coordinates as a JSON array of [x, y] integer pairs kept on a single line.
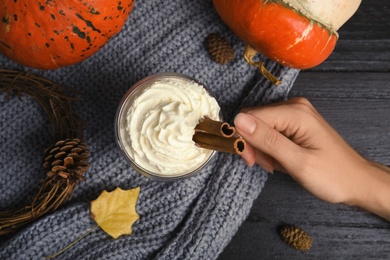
[[220, 49], [296, 237], [67, 159]]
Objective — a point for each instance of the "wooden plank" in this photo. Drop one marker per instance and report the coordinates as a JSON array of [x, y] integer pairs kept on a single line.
[[338, 232], [357, 105], [352, 91], [370, 22], [358, 55], [364, 41]]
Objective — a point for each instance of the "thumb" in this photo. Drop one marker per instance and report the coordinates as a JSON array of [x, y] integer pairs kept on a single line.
[[268, 140]]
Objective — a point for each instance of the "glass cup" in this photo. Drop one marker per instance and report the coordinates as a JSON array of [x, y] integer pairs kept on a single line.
[[120, 123]]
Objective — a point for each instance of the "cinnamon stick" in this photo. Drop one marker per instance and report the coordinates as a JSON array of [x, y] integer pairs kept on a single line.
[[234, 145], [218, 128], [218, 136]]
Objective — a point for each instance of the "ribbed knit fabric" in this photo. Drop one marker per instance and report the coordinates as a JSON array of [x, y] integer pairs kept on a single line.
[[193, 218]]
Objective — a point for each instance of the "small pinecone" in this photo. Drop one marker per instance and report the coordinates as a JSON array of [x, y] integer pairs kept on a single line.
[[296, 237], [220, 49], [67, 159]]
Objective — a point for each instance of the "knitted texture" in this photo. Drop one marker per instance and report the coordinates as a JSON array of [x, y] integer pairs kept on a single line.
[[193, 218]]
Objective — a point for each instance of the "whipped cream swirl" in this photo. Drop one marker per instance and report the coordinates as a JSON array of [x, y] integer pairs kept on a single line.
[[160, 123]]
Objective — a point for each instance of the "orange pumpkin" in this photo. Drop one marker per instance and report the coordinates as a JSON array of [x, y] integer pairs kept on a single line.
[[55, 33], [296, 33]]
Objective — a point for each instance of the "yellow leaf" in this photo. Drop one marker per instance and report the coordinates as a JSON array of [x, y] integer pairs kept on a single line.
[[115, 211]]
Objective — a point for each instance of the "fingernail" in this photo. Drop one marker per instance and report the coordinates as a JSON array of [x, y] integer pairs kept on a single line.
[[245, 123]]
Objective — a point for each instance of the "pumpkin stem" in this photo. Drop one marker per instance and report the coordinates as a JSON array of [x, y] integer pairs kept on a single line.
[[249, 54]]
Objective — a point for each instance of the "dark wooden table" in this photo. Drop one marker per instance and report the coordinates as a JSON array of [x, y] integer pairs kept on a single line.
[[352, 91]]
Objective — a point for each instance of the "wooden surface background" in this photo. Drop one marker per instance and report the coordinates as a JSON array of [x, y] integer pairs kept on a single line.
[[352, 91]]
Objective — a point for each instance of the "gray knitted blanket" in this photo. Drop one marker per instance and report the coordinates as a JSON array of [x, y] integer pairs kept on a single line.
[[193, 218]]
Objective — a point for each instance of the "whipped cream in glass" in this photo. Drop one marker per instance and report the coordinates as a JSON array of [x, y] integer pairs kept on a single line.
[[155, 125]]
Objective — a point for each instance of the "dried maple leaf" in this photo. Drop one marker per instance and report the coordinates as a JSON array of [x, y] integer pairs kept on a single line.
[[115, 212]]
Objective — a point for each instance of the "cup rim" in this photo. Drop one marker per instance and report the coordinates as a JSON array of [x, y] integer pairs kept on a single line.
[[119, 114]]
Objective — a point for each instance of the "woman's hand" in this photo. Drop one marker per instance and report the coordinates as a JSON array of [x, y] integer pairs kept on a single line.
[[294, 138]]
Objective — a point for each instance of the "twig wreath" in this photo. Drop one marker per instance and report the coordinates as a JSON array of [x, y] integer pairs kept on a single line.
[[65, 161]]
